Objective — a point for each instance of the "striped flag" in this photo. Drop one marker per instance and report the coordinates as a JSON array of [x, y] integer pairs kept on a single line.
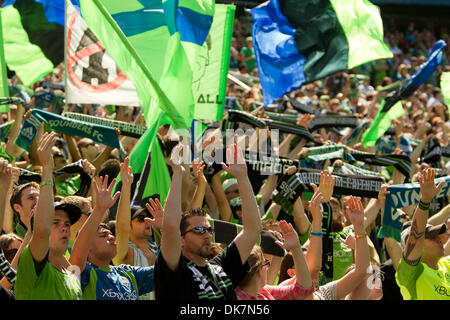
[[297, 42]]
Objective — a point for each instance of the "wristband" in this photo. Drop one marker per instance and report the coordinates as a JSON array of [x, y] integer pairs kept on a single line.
[[359, 236], [317, 234], [424, 206], [46, 183]]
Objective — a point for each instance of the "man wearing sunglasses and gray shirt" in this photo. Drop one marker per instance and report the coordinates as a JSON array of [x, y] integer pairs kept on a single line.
[[182, 269]]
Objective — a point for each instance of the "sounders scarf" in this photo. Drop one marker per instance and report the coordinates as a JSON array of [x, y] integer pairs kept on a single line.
[[291, 187], [126, 128], [400, 196], [97, 133], [235, 116], [401, 162]]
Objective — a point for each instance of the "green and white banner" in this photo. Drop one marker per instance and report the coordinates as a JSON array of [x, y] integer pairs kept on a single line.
[[210, 74]]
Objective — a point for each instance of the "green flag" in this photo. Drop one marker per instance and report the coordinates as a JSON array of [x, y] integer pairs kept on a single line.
[[152, 40], [445, 88], [24, 58], [210, 74], [381, 123], [298, 42], [148, 166]]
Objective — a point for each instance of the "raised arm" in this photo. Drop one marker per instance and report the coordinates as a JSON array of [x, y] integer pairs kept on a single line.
[[45, 210], [11, 148], [5, 182], [103, 201], [123, 217], [415, 241], [292, 243], [314, 253], [219, 193], [170, 231], [351, 280], [200, 188], [251, 220]]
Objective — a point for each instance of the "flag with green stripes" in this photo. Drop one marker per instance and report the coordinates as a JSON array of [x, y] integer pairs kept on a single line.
[[297, 42], [21, 56], [155, 43]]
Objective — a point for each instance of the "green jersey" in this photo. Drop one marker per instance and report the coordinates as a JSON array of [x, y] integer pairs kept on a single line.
[[420, 282], [42, 281]]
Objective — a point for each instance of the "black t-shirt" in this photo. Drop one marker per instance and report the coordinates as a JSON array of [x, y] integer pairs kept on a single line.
[[391, 290], [217, 280]]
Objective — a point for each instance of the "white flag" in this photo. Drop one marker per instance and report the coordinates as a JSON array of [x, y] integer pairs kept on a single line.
[[91, 74]]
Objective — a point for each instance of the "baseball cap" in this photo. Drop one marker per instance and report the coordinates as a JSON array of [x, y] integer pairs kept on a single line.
[[73, 211], [137, 210]]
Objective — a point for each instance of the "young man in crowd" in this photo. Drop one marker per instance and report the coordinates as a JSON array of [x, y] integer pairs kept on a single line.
[[182, 270]]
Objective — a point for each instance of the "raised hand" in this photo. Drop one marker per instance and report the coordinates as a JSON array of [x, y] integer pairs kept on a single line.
[[428, 188], [44, 150], [290, 236], [305, 120], [326, 185], [314, 205], [175, 159], [88, 167], [102, 193], [157, 211], [197, 170], [236, 164], [382, 195], [356, 213], [6, 173], [126, 174]]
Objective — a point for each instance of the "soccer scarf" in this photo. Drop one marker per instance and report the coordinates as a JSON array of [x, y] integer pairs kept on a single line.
[[6, 269], [290, 187], [319, 121], [259, 166], [400, 196], [57, 123], [315, 154], [26, 176], [125, 128], [235, 117], [349, 169]]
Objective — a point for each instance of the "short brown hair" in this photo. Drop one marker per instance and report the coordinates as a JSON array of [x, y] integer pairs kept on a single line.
[[17, 194], [199, 212], [7, 239], [255, 260]]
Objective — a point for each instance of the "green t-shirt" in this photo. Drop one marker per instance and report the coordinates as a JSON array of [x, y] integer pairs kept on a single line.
[[342, 256], [251, 64], [420, 282], [49, 284]]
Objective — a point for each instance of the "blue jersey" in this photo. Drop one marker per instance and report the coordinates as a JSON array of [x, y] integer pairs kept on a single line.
[[122, 282]]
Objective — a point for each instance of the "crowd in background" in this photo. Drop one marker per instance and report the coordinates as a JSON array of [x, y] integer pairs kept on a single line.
[[127, 236]]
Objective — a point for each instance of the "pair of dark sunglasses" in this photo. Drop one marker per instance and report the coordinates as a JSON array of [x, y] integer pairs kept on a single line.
[[141, 217], [199, 230]]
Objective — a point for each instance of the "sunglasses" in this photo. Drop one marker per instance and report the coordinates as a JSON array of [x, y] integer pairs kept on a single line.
[[199, 230], [10, 254], [141, 217]]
